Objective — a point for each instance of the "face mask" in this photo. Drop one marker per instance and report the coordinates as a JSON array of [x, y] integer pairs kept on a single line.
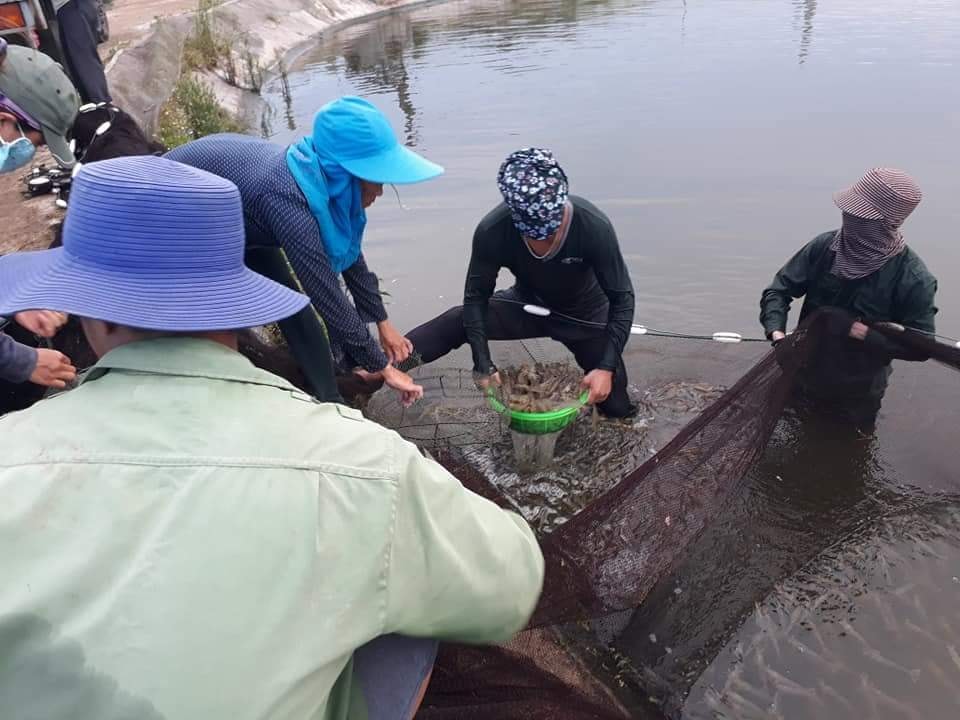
[[15, 154]]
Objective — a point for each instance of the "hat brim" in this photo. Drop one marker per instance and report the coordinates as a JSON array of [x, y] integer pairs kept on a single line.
[[852, 202], [152, 300], [397, 166], [59, 148]]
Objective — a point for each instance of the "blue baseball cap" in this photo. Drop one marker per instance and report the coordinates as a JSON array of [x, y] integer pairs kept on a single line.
[[357, 136]]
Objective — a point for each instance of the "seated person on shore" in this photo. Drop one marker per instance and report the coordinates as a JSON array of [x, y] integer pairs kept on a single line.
[[565, 257], [40, 105], [310, 199], [866, 269], [187, 536], [21, 363]]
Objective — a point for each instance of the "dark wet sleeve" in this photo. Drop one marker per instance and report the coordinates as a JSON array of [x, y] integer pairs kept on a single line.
[[364, 286], [17, 361], [790, 282], [481, 281], [614, 280], [297, 233], [917, 310]]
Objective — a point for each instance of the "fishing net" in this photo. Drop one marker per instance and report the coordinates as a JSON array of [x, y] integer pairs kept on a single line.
[[580, 656], [628, 621]]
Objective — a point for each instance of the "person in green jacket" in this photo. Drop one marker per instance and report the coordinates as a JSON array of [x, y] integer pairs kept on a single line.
[[866, 270], [185, 535]]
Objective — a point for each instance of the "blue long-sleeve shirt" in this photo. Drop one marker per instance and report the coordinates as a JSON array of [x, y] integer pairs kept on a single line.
[[276, 214]]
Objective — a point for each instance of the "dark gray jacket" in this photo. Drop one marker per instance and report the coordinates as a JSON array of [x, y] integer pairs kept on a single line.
[[902, 291], [17, 361]]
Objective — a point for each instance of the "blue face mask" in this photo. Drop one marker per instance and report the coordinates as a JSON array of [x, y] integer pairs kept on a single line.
[[16, 154]]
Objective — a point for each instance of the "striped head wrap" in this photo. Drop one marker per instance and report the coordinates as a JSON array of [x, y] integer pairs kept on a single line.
[[874, 208], [535, 188]]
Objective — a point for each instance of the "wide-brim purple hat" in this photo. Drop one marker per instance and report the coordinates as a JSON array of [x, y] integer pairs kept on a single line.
[[151, 244]]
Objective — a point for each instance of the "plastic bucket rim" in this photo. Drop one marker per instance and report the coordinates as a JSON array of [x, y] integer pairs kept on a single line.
[[558, 414]]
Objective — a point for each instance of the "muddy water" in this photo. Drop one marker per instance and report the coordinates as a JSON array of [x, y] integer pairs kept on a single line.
[[713, 132]]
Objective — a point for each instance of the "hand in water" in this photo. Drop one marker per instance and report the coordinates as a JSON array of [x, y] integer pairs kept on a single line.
[[598, 383], [53, 369], [409, 391], [858, 331], [485, 382], [395, 345], [44, 323]]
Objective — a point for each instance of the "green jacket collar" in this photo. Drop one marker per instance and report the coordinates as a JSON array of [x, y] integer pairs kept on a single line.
[[184, 357]]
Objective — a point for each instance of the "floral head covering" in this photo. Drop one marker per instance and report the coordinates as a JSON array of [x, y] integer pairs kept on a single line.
[[535, 188]]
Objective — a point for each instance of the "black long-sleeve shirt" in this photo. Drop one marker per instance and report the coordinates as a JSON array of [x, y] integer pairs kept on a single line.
[[586, 276]]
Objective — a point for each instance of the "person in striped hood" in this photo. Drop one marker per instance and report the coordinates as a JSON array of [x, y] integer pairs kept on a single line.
[[866, 270]]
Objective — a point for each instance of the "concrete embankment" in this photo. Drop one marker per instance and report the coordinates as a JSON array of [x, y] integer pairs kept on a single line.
[[144, 61], [143, 74]]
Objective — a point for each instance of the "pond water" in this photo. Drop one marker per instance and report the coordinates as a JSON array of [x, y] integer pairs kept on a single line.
[[713, 133]]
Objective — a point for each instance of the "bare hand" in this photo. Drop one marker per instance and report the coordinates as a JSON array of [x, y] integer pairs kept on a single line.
[[598, 383], [858, 331], [395, 345], [485, 382], [776, 336], [44, 323], [53, 369], [409, 391]]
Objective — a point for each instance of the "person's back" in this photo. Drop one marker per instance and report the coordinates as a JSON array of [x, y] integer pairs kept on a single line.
[[187, 536], [257, 167]]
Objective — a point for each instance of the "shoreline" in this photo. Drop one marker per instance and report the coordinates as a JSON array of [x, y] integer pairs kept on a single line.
[[143, 61], [143, 74]]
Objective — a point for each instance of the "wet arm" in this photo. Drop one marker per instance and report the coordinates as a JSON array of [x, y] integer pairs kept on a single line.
[[917, 311], [481, 281], [790, 282], [460, 568], [614, 280], [364, 286], [300, 238]]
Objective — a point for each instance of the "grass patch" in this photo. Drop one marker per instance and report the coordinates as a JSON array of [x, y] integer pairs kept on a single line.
[[205, 49], [208, 48], [253, 68], [192, 112]]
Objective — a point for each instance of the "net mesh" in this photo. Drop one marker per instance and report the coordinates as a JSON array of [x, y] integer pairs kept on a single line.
[[612, 552], [604, 561]]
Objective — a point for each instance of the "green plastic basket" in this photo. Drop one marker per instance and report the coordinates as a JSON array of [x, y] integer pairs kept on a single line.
[[538, 423]]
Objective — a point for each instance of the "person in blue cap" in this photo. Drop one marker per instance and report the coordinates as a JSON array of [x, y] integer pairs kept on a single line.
[[185, 535], [309, 200]]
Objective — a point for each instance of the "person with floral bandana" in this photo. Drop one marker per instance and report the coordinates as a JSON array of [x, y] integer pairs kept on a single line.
[[565, 256]]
